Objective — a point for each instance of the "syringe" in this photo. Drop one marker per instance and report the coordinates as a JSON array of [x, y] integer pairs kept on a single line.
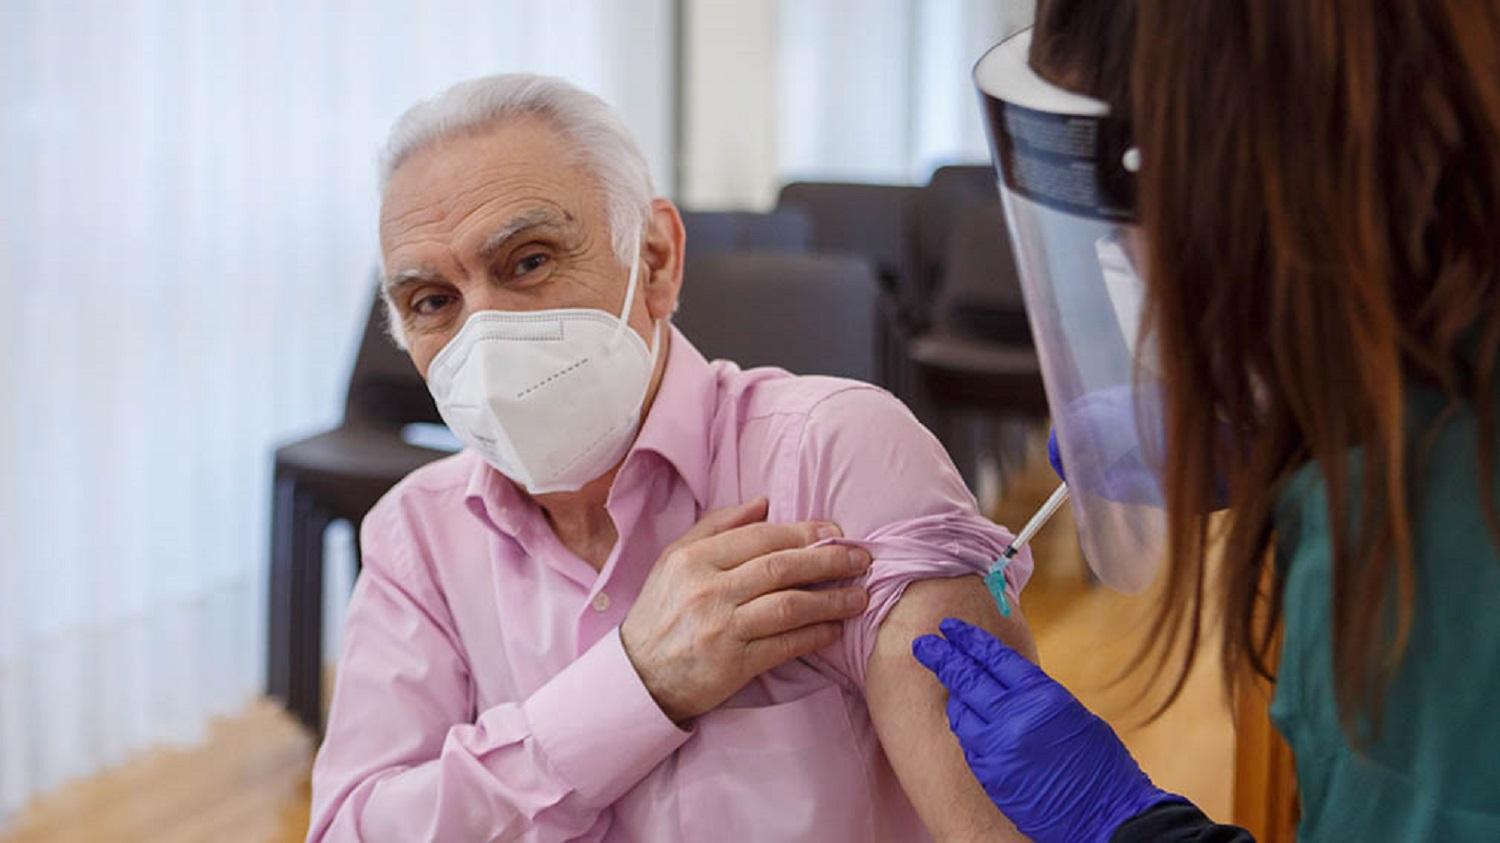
[[995, 579]]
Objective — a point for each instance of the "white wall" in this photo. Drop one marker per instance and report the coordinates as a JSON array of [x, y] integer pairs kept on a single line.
[[730, 108]]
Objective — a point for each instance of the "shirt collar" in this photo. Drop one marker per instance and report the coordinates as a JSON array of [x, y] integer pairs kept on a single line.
[[678, 428]]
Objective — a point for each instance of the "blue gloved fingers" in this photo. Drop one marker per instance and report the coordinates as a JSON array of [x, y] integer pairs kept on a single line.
[[964, 677], [965, 722], [931, 650], [1008, 668]]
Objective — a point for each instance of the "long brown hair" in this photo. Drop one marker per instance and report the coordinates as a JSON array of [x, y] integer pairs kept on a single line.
[[1320, 201]]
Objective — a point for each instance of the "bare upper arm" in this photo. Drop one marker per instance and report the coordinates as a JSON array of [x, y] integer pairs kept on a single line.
[[907, 706]]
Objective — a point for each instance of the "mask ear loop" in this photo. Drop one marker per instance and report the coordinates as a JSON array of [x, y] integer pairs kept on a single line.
[[623, 322]]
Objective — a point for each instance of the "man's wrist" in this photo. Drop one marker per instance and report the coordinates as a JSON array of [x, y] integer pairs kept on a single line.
[[599, 701], [653, 687]]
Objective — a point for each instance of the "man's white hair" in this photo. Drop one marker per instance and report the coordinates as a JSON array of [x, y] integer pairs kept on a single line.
[[598, 138]]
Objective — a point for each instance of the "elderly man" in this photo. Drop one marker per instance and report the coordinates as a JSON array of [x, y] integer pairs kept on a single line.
[[655, 598]]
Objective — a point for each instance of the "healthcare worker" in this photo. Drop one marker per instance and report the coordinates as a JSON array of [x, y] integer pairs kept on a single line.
[[1310, 190]]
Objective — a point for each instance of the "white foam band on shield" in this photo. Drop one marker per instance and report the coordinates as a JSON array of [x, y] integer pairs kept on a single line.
[[1005, 73]]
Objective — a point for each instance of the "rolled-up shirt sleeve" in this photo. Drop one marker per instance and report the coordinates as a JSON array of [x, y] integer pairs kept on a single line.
[[407, 757], [865, 462]]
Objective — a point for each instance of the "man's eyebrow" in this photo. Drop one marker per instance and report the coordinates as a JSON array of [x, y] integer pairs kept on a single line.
[[392, 283], [531, 219]]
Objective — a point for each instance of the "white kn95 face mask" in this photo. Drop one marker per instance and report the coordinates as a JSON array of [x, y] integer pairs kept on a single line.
[[550, 398]]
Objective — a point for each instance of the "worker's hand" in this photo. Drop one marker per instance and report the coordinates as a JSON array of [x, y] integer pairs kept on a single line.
[[1048, 763], [725, 603]]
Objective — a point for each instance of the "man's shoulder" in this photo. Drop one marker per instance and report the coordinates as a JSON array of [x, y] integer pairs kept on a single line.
[[436, 483], [766, 392]]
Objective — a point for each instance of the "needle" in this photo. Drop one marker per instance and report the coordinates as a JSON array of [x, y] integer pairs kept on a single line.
[[995, 579]]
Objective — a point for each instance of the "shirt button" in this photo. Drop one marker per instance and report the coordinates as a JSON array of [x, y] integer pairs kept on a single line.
[[601, 602]]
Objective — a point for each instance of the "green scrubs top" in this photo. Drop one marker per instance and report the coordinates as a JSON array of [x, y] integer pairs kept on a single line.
[[1433, 771]]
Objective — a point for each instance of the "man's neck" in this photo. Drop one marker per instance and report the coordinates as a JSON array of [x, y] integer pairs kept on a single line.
[[581, 519]]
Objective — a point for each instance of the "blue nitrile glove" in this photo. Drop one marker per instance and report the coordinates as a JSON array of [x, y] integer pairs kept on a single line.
[[1053, 767], [1054, 455]]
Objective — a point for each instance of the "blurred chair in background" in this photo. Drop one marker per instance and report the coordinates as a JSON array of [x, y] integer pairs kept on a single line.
[[335, 476], [810, 314], [875, 221], [976, 180], [978, 380], [781, 230], [954, 340], [937, 209]]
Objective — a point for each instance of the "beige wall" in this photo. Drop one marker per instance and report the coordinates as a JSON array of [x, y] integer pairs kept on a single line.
[[728, 104]]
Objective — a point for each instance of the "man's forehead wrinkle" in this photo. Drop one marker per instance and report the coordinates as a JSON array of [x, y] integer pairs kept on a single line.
[[410, 218], [512, 187]]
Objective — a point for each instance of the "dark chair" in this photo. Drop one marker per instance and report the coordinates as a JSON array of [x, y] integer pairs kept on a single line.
[[871, 220], [979, 358], [337, 475], [977, 180], [810, 314], [938, 205], [875, 221], [781, 230]]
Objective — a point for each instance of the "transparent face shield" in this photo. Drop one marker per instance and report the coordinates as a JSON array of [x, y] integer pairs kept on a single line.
[[1067, 188]]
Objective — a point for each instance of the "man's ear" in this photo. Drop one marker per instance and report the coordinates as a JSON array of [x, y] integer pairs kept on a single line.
[[663, 253]]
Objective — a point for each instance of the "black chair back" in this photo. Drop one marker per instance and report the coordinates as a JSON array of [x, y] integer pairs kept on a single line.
[[977, 180], [980, 297], [810, 314], [870, 220], [385, 388], [938, 206], [781, 230]]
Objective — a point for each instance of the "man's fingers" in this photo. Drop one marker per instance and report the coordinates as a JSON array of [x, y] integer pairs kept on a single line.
[[736, 546], [763, 654], [1009, 668], [781, 611], [785, 569], [964, 677], [718, 520]]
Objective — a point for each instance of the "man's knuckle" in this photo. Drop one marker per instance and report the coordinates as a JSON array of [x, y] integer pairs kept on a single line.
[[701, 594], [788, 611], [778, 569]]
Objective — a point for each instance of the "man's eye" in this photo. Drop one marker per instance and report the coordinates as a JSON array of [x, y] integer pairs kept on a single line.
[[427, 305], [531, 263]]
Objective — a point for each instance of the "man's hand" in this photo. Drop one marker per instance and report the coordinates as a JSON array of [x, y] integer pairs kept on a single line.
[[725, 604]]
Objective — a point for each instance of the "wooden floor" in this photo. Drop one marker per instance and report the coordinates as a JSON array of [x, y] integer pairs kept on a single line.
[[249, 782]]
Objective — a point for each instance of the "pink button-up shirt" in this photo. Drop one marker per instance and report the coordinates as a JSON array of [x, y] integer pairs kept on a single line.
[[483, 693]]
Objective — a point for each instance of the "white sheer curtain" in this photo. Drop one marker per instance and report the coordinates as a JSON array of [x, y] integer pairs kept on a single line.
[[856, 90], [880, 90], [187, 227]]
